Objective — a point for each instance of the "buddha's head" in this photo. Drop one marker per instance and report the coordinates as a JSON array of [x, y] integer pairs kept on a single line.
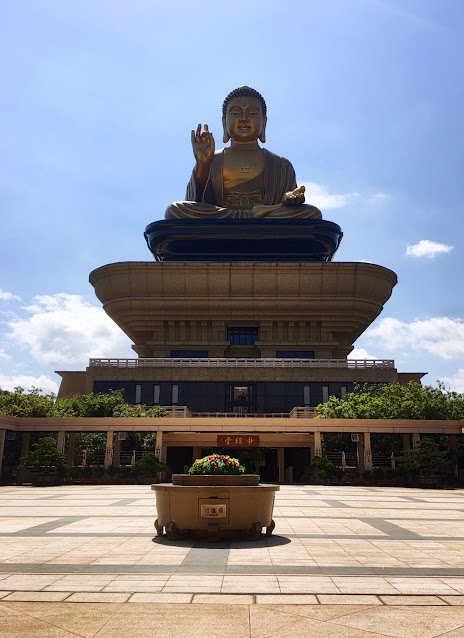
[[244, 116]]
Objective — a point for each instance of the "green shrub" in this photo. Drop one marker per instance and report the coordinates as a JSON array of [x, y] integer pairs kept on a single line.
[[427, 458], [320, 468], [45, 457], [126, 410], [149, 464], [378, 474], [390, 474]]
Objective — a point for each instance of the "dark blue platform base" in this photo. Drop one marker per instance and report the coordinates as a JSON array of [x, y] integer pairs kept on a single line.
[[243, 240]]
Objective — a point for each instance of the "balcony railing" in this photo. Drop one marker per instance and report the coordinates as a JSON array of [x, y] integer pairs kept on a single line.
[[296, 413], [350, 364]]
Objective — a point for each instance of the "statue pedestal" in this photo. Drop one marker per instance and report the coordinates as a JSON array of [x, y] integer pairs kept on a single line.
[[231, 240], [317, 306]]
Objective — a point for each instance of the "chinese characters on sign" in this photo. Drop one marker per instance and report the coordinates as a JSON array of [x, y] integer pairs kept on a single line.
[[214, 511], [237, 440]]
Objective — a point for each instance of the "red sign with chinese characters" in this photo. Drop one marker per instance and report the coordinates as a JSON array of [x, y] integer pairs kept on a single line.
[[237, 440]]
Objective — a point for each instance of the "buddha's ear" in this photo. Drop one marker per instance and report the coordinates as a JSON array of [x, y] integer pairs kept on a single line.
[[226, 136], [262, 136]]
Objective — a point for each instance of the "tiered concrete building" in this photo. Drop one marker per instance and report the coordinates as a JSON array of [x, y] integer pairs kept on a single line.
[[249, 348]]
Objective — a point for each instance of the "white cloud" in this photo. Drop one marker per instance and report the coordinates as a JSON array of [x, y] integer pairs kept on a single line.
[[24, 381], [456, 382], [426, 248], [318, 195], [3, 354], [378, 198], [360, 353], [8, 296], [440, 336], [64, 331]]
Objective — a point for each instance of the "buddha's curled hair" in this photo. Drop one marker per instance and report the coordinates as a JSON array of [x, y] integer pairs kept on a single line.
[[244, 91]]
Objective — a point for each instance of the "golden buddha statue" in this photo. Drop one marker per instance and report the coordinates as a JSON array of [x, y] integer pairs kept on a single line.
[[242, 180]]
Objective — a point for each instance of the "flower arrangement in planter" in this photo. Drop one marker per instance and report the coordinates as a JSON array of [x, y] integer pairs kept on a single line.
[[216, 469], [217, 464]]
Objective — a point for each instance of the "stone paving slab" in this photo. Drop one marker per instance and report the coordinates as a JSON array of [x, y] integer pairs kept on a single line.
[[96, 543], [237, 620]]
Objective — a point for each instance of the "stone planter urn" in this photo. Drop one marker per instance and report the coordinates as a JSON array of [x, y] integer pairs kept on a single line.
[[214, 505]]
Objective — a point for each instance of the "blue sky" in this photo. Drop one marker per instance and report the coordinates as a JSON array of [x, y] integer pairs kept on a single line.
[[97, 100]]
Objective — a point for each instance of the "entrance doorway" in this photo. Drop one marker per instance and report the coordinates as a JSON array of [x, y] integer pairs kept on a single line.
[[241, 398]]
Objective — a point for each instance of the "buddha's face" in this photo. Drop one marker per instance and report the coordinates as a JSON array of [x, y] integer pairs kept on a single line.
[[244, 120]]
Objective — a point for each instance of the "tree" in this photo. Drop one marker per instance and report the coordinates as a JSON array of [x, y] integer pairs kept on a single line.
[[26, 404], [91, 405], [45, 459], [427, 458], [33, 403], [395, 401]]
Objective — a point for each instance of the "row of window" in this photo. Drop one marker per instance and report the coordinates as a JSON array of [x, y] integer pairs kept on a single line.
[[156, 394], [242, 336], [325, 393], [175, 394], [280, 354]]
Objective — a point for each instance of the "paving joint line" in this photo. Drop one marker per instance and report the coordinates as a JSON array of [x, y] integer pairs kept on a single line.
[[254, 597]]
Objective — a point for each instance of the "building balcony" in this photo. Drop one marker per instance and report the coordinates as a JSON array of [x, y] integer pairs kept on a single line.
[[208, 362]]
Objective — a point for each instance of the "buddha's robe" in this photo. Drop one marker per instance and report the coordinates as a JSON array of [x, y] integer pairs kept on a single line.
[[260, 197]]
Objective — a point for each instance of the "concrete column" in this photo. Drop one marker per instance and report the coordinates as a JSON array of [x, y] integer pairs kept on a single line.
[[2, 447], [406, 442], [360, 450], [60, 443], [281, 463], [367, 451], [109, 449], [71, 451], [117, 451], [160, 447], [25, 441], [317, 444], [415, 439]]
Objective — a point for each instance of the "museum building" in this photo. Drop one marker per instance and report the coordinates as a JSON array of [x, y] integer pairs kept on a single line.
[[223, 338]]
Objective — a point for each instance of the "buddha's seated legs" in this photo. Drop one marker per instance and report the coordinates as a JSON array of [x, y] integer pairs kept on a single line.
[[200, 210], [300, 211]]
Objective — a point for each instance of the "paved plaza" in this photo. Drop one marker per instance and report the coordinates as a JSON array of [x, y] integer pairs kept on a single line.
[[360, 561]]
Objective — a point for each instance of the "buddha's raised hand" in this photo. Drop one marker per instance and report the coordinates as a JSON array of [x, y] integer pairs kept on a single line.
[[294, 198], [203, 145]]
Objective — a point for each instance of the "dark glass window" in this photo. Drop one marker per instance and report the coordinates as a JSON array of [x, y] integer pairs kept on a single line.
[[295, 354], [175, 395], [189, 354], [242, 336], [307, 395]]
